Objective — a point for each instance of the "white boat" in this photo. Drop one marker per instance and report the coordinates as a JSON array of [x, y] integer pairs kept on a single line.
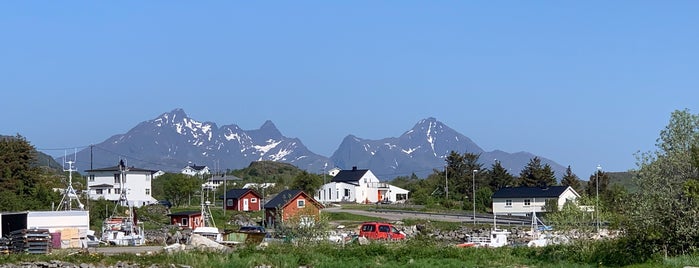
[[497, 238], [208, 229], [541, 238], [122, 231]]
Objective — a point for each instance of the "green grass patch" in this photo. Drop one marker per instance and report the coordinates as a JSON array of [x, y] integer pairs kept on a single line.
[[416, 252]]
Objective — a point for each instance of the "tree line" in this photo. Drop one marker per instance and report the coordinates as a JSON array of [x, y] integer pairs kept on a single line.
[[454, 186]]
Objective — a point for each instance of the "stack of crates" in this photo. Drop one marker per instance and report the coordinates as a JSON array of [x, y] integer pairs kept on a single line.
[[4, 246], [32, 241]]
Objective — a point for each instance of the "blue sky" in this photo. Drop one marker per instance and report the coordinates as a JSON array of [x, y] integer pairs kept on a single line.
[[582, 83]]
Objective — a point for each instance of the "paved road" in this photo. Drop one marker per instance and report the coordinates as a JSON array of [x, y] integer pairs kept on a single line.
[[396, 215]]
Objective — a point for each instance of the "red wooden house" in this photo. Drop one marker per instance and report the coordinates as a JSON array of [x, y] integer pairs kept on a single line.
[[186, 219], [242, 200], [292, 206]]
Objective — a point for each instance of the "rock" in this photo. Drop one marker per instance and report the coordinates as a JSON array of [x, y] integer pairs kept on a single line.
[[177, 247], [363, 240], [203, 243]]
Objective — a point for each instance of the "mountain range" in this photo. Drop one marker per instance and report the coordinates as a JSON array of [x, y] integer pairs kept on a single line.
[[173, 140]]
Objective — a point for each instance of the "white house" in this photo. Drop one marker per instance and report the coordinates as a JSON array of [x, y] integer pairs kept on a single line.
[[359, 186], [525, 200], [194, 170], [108, 183], [215, 181]]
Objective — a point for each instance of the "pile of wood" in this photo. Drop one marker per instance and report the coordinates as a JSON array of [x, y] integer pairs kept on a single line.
[[4, 246], [32, 241]]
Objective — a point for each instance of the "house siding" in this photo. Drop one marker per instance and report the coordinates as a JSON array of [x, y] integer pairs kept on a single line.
[[193, 221], [137, 183], [238, 204], [290, 210], [368, 190], [536, 203]]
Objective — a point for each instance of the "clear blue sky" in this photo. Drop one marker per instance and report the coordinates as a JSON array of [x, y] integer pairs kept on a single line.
[[582, 83]]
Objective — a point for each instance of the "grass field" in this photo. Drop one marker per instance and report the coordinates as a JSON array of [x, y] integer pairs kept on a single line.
[[412, 253]]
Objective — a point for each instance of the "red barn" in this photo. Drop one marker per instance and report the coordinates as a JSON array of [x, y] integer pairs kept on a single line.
[[242, 200]]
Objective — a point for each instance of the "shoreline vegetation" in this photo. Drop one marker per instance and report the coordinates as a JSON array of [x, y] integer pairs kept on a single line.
[[417, 252]]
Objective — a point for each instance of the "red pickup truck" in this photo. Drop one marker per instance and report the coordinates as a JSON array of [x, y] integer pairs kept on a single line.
[[380, 230]]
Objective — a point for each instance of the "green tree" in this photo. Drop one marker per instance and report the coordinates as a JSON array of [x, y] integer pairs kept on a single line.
[[17, 174], [24, 185], [536, 175], [455, 176], [665, 210], [499, 177], [180, 188], [307, 182], [592, 190], [572, 180]]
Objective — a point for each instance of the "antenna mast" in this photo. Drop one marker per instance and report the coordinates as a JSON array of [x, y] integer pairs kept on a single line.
[[205, 209], [69, 194]]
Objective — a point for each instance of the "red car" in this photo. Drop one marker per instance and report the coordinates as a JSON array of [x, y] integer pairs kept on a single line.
[[380, 230]]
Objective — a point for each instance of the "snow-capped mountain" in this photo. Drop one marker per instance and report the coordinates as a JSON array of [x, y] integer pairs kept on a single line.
[[173, 140], [420, 150]]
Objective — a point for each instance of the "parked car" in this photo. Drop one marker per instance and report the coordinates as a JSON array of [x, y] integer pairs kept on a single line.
[[252, 229], [165, 203], [380, 230]]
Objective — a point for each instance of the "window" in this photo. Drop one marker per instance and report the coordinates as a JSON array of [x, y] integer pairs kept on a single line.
[[229, 202], [116, 178], [508, 202], [301, 203], [185, 222], [384, 228], [109, 191], [98, 191], [92, 177], [117, 191], [347, 192], [147, 191], [368, 228], [527, 202], [253, 200]]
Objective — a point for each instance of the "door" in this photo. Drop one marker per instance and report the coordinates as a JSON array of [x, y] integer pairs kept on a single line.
[[246, 204]]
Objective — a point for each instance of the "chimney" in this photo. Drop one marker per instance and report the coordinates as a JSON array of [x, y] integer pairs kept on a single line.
[[354, 168]]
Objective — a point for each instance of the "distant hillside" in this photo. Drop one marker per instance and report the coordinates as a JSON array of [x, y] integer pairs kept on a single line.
[[268, 171]]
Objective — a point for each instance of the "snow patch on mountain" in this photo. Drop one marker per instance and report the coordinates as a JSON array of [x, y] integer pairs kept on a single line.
[[263, 149]]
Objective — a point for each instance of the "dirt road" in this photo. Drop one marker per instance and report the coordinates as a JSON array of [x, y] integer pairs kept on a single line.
[[126, 250]]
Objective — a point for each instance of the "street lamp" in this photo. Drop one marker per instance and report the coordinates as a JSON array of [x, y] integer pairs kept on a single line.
[[473, 195], [599, 168]]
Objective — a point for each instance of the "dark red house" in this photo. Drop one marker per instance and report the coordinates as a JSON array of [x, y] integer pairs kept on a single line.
[[186, 219], [242, 200]]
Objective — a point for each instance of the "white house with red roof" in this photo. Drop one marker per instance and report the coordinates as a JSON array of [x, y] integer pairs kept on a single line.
[[359, 186]]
